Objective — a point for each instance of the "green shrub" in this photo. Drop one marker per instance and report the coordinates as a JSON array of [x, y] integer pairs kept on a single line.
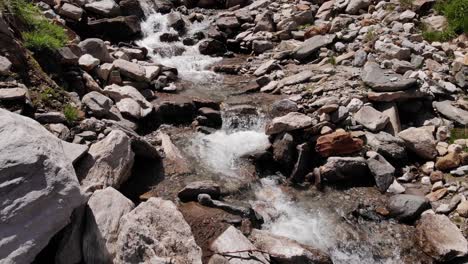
[[456, 13], [71, 113], [332, 60], [406, 4], [42, 33]]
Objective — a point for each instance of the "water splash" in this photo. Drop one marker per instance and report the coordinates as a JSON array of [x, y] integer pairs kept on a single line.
[[192, 65]]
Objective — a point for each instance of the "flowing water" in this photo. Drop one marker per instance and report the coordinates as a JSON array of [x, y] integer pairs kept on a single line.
[[318, 219]]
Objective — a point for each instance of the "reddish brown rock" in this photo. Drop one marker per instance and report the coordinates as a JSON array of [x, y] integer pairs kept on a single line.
[[447, 162], [338, 143]]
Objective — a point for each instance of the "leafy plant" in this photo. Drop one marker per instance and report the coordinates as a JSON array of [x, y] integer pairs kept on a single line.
[[332, 60], [455, 11], [42, 33], [71, 113], [48, 94]]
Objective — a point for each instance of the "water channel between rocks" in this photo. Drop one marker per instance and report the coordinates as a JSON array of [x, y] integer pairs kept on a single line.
[[315, 218]]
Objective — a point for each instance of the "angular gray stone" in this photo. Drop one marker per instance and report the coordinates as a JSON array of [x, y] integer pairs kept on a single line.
[[109, 163], [420, 141], [97, 48], [451, 112], [107, 8], [156, 232], [309, 47], [39, 188], [5, 65], [288, 122], [131, 70], [440, 238], [19, 94], [381, 169], [344, 168], [88, 62], [118, 93], [97, 104], [371, 118], [407, 207], [384, 80], [70, 11], [105, 209], [390, 147], [355, 5]]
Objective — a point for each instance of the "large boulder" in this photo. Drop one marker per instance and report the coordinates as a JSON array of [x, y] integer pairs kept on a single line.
[[105, 209], [97, 104], [39, 188], [285, 250], [131, 70], [451, 112], [371, 118], [106, 8], [344, 168], [440, 238], [381, 80], [289, 122], [310, 47], [118, 93], [156, 232], [390, 147], [381, 169], [97, 48], [407, 207], [231, 241], [338, 143], [421, 141], [109, 162], [116, 29]]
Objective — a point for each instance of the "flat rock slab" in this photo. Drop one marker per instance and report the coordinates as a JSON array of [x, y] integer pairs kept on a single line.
[[288, 122], [309, 47], [13, 94], [381, 80], [451, 112], [407, 207]]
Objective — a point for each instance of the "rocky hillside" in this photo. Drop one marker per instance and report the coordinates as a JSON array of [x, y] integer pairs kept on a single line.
[[235, 131]]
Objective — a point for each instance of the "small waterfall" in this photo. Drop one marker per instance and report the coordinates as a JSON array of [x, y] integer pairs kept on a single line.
[[192, 65]]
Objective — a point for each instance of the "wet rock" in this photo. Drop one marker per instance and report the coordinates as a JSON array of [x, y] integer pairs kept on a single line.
[[344, 168], [338, 143], [232, 240], [213, 117], [176, 21], [420, 141], [285, 250], [302, 165], [266, 67], [96, 48], [155, 231], [289, 122], [383, 80], [116, 29], [105, 209], [211, 47], [309, 47], [284, 150], [407, 207], [106, 8], [110, 162], [451, 112], [381, 169], [440, 238], [371, 118], [132, 8], [174, 161], [191, 191], [37, 180]]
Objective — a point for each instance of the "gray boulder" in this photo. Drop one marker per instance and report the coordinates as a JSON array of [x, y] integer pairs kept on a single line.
[[371, 118], [451, 112], [344, 168], [5, 65], [309, 47], [39, 188], [289, 122], [107, 8], [421, 141], [109, 162], [131, 70], [390, 147], [381, 169], [440, 238], [407, 207], [97, 48], [156, 232], [97, 104], [381, 80], [105, 209]]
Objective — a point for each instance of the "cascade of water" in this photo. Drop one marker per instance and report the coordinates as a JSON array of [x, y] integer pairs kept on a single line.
[[192, 65]]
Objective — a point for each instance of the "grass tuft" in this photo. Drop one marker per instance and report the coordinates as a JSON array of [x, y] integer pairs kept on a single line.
[[456, 13], [71, 113]]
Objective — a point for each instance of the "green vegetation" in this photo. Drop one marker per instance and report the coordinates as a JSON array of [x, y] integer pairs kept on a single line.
[[71, 113], [332, 60], [303, 27], [42, 34], [455, 11], [370, 36], [47, 95]]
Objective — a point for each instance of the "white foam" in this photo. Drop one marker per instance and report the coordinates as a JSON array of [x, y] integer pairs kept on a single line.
[[191, 65]]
